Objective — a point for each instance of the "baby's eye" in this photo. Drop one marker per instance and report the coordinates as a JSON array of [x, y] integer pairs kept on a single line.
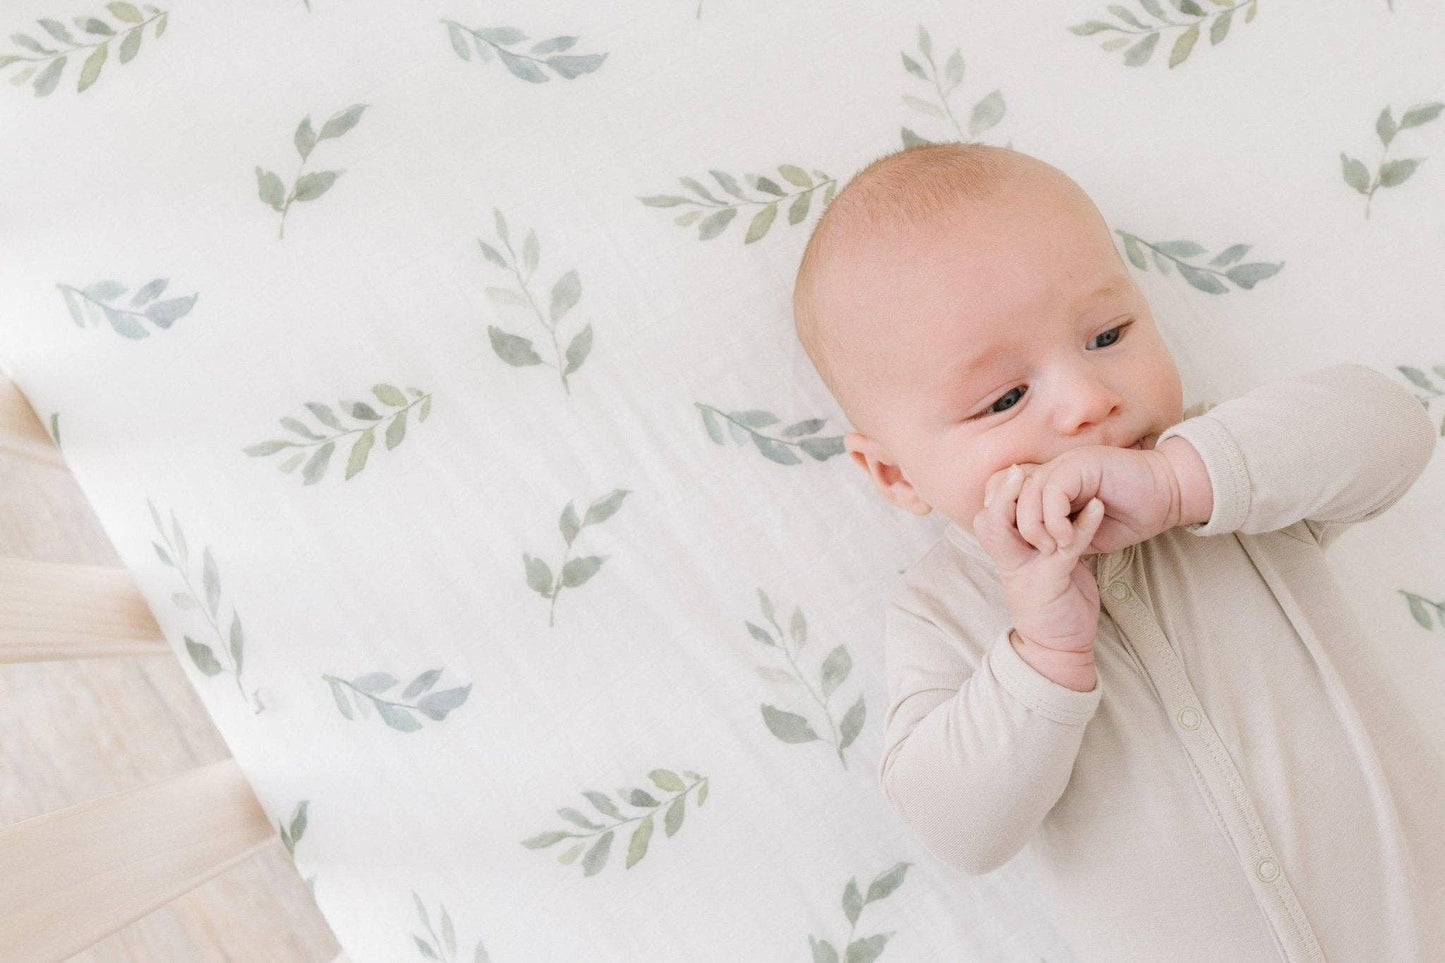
[[992, 410]]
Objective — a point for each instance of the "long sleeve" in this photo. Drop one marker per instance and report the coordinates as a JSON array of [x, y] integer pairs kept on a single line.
[[1333, 446], [975, 755]]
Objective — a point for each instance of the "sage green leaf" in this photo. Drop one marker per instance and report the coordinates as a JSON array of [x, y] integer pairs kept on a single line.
[[1139, 53], [1229, 255], [313, 185], [986, 113], [543, 840], [530, 252], [604, 804], [798, 630], [713, 224], [1202, 280], [91, 69], [574, 66], [123, 323], [292, 461], [569, 524], [421, 683], [579, 570], [803, 428], [672, 820], [835, 670], [425, 408], [56, 29], [596, 858], [1220, 28], [365, 412], [374, 682], [637, 848], [202, 656], [448, 934], [316, 467], [522, 69], [342, 702], [661, 200], [1246, 275], [714, 430], [1398, 171], [459, 41], [300, 428], [212, 580], [397, 717], [45, 81], [821, 449], [163, 313], [359, 452], [1385, 127], [161, 25], [760, 223], [124, 11], [238, 640], [1183, 44], [1090, 27], [513, 349], [298, 822], [577, 351], [305, 137], [604, 508], [776, 451], [787, 726], [886, 882], [1356, 175], [565, 294], [267, 448], [98, 27], [323, 414], [342, 121], [180, 539], [666, 780], [491, 254], [104, 290], [389, 395], [1416, 116], [130, 44], [272, 191], [438, 704], [539, 575], [150, 290], [396, 431], [852, 724], [165, 558]]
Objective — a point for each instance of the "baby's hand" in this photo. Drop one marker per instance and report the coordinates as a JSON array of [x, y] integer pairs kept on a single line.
[[1139, 489], [1052, 596]]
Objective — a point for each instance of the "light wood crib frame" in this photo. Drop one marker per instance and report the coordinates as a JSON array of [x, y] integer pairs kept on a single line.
[[70, 878]]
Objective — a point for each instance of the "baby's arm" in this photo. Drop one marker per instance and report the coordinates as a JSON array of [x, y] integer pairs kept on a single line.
[[977, 750], [1333, 446]]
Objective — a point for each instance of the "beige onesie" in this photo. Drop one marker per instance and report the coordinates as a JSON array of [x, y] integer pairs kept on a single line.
[[1243, 783]]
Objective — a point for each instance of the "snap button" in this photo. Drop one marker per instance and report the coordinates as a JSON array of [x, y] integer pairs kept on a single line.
[[1189, 717], [1266, 869], [1119, 590]]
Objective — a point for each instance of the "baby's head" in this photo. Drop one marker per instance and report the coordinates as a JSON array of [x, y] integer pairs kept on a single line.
[[968, 310]]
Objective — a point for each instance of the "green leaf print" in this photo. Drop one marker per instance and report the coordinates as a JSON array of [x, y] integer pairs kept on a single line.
[[986, 113], [867, 948], [97, 303], [577, 571], [309, 186], [791, 727], [524, 66], [358, 696], [769, 196], [445, 947], [516, 350], [43, 70], [1139, 51], [1172, 253], [316, 448], [176, 554], [1395, 172], [601, 834], [744, 425], [1422, 381]]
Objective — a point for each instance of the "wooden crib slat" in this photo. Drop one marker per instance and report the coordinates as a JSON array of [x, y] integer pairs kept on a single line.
[[70, 878], [51, 611], [21, 432]]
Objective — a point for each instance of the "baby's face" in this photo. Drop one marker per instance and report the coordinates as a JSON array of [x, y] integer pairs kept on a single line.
[[1005, 336]]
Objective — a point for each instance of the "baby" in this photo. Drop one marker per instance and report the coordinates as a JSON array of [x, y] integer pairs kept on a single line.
[[1252, 787]]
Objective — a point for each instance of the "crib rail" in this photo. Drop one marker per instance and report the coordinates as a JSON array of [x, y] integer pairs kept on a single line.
[[72, 877]]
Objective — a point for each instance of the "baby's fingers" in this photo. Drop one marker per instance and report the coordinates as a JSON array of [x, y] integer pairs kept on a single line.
[[1090, 517]]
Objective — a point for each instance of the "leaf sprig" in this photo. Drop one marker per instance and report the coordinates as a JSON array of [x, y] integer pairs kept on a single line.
[[986, 113], [307, 187], [366, 691], [1395, 172], [176, 554], [88, 304], [791, 727], [321, 446], [445, 947], [48, 78], [516, 350], [744, 425], [1421, 380], [488, 40], [1166, 253], [602, 833], [859, 949], [773, 195], [577, 571], [1139, 53]]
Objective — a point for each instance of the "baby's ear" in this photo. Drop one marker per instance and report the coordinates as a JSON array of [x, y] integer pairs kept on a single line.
[[872, 458]]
